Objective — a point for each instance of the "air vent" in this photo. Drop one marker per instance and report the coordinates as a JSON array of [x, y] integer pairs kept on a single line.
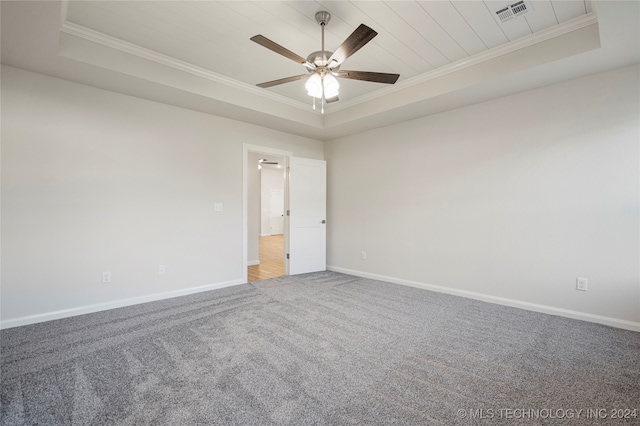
[[512, 11]]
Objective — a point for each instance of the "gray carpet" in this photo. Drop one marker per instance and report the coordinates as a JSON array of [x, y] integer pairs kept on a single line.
[[316, 349]]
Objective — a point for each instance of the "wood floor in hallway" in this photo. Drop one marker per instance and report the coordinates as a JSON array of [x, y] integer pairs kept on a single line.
[[271, 250]]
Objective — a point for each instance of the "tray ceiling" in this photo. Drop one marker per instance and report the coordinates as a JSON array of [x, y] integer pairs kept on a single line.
[[198, 54], [415, 37]]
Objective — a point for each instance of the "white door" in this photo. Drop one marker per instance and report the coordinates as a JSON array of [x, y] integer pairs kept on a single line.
[[276, 211], [307, 221]]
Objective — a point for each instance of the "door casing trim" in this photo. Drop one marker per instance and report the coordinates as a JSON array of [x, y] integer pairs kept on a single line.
[[246, 149]]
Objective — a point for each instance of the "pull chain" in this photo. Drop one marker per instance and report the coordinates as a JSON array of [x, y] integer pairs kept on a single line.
[[322, 100]]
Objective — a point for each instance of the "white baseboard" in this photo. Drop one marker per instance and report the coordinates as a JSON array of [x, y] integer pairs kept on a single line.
[[81, 310], [253, 262], [265, 235], [613, 322]]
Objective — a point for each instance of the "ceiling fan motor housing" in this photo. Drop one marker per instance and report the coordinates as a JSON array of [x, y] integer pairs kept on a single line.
[[320, 59]]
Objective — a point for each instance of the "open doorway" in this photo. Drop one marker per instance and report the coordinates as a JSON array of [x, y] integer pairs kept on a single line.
[[268, 262], [266, 197]]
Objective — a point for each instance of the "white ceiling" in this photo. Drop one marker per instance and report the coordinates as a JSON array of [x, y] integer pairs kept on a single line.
[[197, 54]]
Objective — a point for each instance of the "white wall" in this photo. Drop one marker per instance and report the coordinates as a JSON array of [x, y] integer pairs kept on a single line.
[[512, 198], [269, 179], [97, 181]]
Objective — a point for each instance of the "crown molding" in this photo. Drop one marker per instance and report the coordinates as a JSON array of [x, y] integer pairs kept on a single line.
[[493, 53], [93, 36], [88, 34]]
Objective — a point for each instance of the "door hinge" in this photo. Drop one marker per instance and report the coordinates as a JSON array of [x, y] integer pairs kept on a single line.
[[287, 255], [288, 213]]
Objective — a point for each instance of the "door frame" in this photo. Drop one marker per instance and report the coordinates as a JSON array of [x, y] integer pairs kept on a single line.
[[246, 149]]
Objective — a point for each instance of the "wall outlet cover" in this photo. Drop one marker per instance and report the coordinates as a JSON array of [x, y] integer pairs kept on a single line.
[[581, 284]]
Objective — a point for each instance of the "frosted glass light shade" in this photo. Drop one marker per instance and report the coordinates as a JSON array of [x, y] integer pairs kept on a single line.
[[331, 86], [314, 86]]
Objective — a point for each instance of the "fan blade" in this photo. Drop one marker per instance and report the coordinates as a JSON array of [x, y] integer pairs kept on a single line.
[[361, 36], [272, 45], [376, 77], [334, 99], [282, 80]]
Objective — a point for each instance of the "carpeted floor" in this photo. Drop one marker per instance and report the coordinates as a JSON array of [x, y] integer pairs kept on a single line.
[[319, 349]]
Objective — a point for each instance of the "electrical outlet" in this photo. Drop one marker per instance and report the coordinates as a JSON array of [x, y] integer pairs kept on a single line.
[[363, 255], [161, 270], [106, 277], [581, 284]]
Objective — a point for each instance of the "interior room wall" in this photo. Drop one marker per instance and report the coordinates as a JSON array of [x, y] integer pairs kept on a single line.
[[96, 181], [513, 199], [269, 179], [254, 203]]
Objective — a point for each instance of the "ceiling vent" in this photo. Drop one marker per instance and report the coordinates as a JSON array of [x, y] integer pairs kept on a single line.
[[512, 11]]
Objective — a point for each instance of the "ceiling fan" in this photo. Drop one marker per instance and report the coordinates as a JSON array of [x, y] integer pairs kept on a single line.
[[323, 66], [264, 161]]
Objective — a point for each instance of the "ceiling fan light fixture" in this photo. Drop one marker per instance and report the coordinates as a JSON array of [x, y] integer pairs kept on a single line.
[[322, 87]]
